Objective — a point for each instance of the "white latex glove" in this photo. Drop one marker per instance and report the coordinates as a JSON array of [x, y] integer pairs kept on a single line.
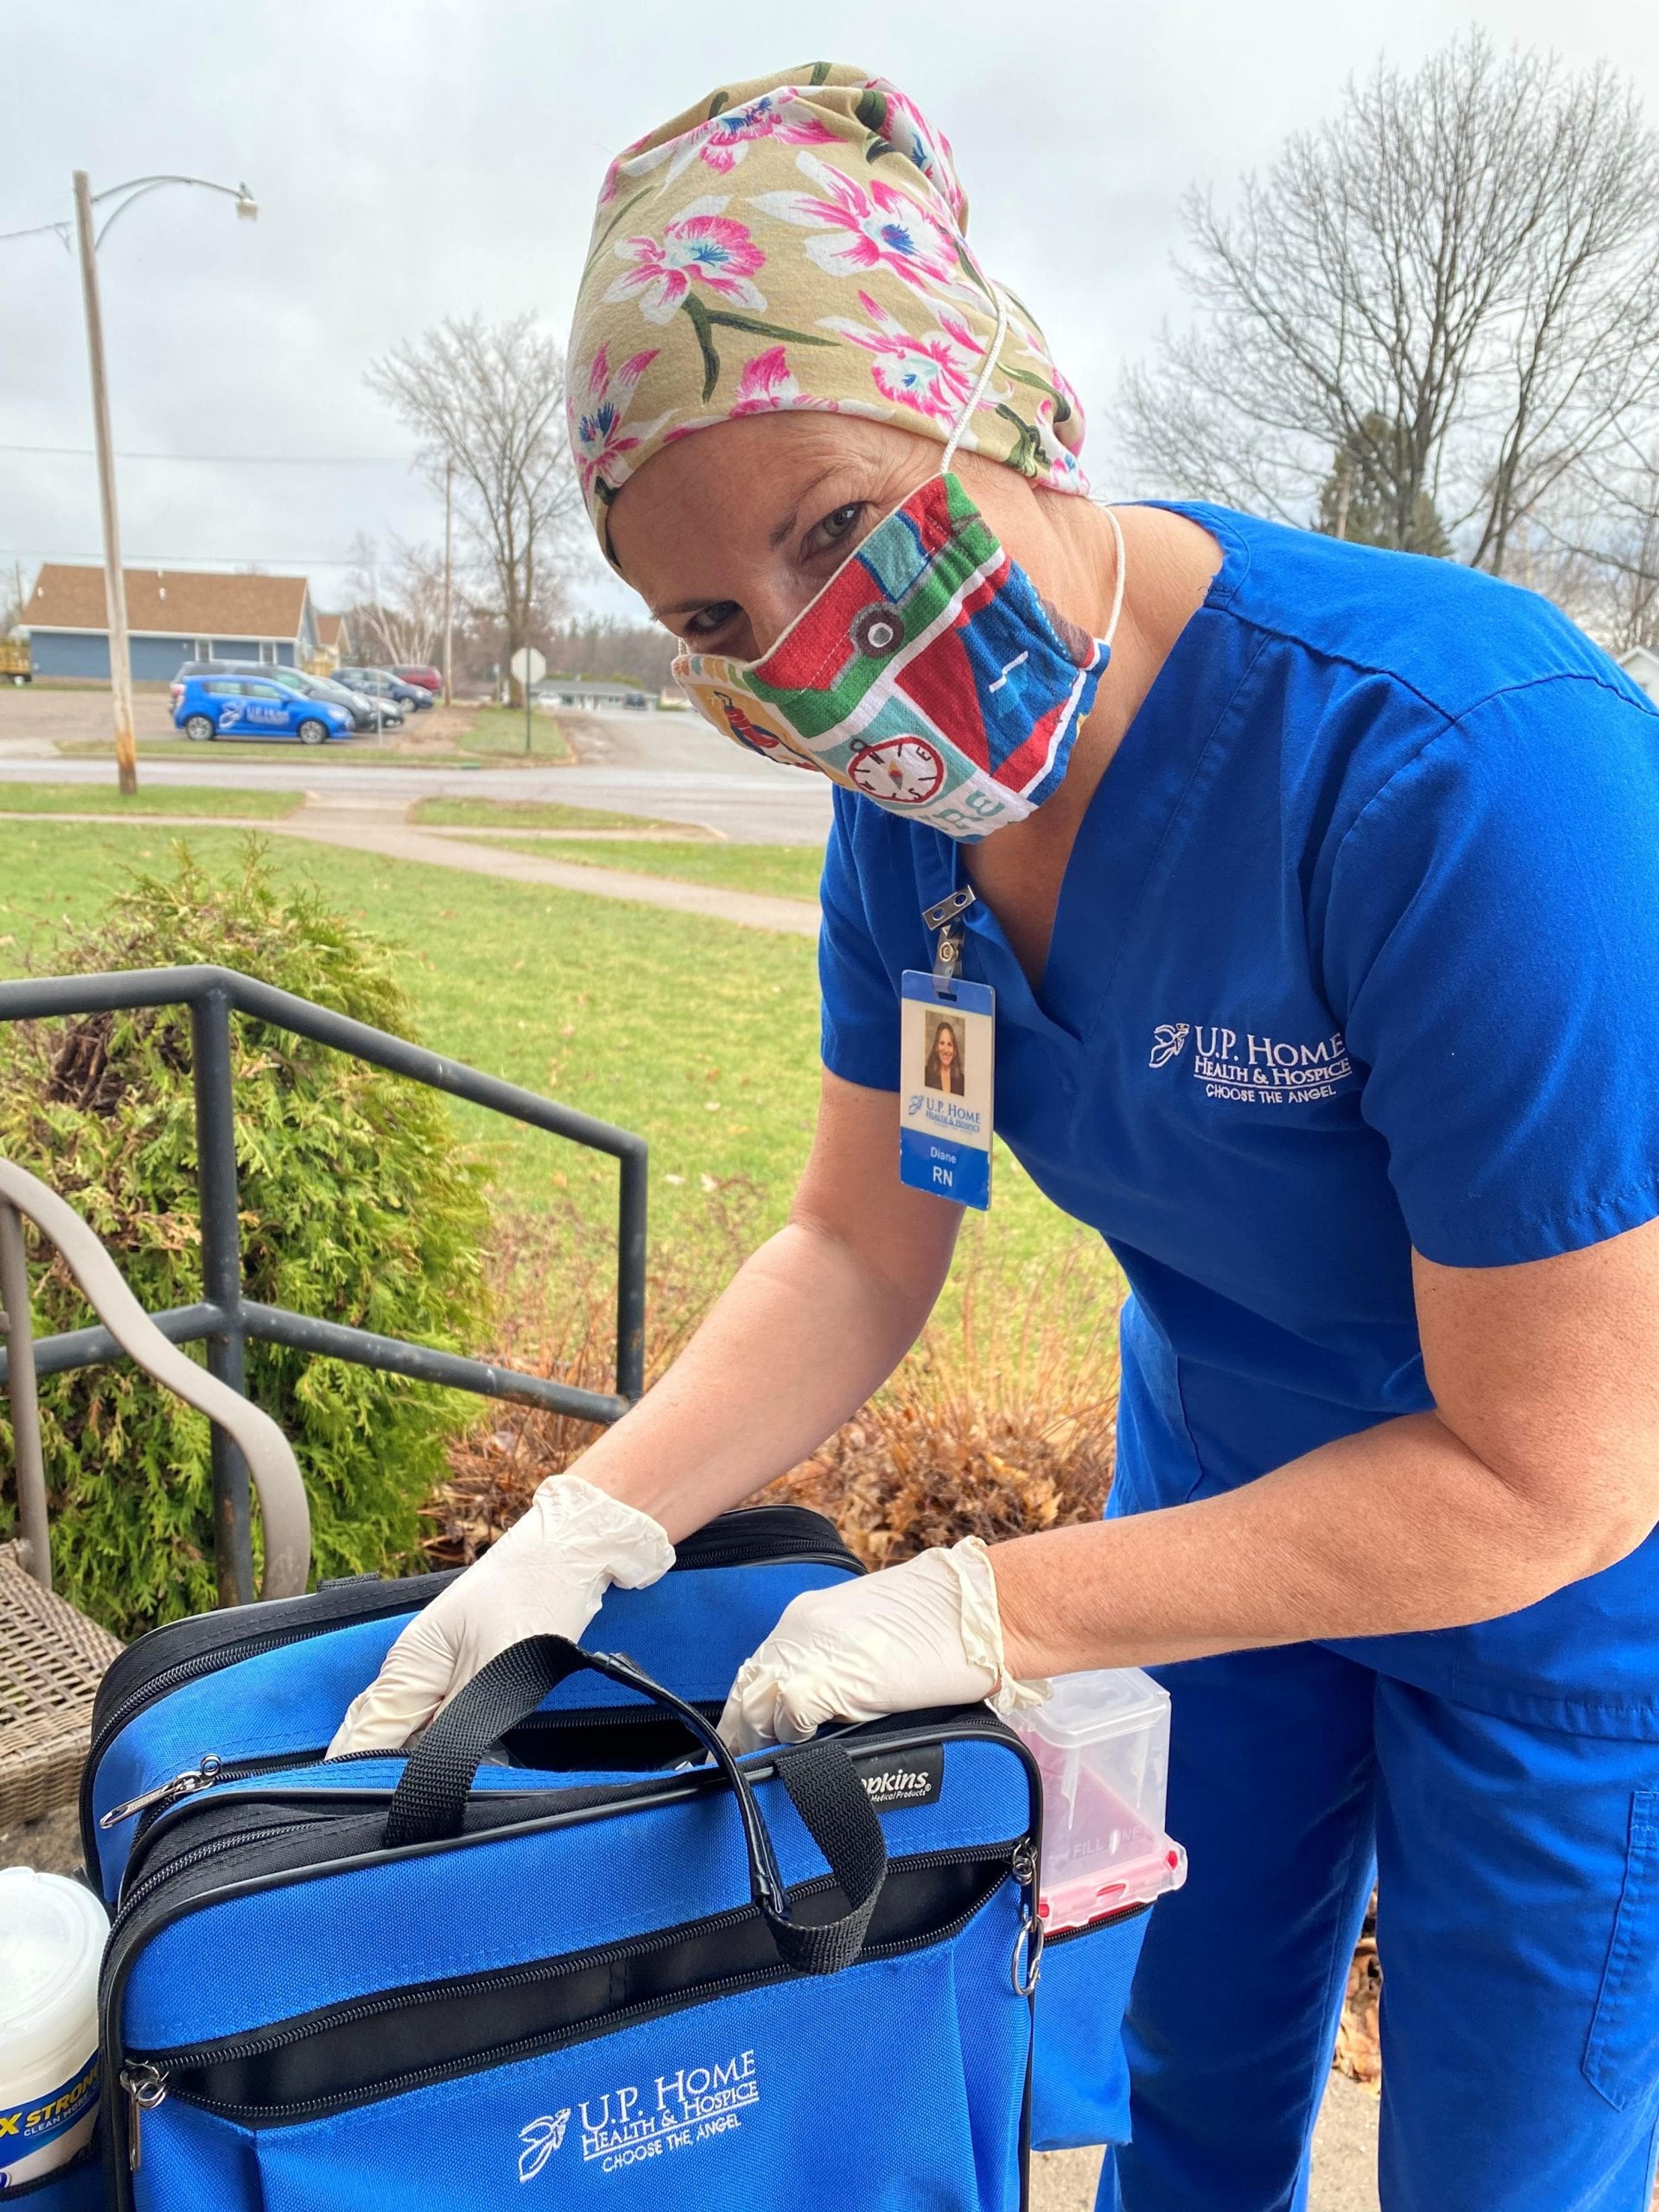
[[926, 1633], [545, 1576]]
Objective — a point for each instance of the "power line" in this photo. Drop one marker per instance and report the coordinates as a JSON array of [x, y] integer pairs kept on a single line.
[[239, 560], [261, 460]]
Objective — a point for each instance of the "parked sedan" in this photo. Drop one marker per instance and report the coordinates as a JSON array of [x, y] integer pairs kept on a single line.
[[381, 684], [424, 674], [228, 706], [366, 713]]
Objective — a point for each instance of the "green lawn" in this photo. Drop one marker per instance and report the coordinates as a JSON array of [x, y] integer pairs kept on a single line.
[[784, 871], [525, 814], [498, 731], [170, 799], [700, 1035]]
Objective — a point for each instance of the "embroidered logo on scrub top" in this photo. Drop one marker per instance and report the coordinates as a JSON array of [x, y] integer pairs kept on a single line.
[[1253, 1070]]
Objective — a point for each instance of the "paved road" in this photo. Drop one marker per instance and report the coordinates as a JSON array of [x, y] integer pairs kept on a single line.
[[1344, 2177], [670, 766]]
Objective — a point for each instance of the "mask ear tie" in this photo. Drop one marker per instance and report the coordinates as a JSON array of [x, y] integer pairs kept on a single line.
[[1117, 588], [987, 370]]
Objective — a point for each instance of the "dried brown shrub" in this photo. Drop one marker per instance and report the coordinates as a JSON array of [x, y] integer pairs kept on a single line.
[[1358, 2039], [999, 1422]]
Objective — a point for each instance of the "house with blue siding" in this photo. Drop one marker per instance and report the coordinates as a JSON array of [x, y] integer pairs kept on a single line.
[[172, 615]]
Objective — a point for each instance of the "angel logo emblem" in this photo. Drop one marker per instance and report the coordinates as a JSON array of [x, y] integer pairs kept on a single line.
[[1168, 1039], [540, 2139]]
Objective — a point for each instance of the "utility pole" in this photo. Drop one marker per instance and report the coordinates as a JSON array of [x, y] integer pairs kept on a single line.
[[449, 573], [115, 589]]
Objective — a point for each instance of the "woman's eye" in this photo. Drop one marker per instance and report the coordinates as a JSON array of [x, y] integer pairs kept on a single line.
[[833, 527], [708, 621]]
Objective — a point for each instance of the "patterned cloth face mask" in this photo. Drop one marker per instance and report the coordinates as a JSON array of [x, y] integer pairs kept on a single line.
[[929, 674]]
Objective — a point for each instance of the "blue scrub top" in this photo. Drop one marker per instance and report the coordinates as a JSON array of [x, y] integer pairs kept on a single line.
[[1357, 949]]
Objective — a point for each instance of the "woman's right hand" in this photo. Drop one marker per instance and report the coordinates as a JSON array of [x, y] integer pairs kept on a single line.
[[545, 1576]]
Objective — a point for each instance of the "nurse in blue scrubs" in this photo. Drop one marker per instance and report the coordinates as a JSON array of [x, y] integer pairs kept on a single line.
[[1322, 916]]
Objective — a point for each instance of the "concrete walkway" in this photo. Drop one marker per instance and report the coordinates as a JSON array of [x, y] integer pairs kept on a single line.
[[384, 831], [362, 824], [1343, 2179]]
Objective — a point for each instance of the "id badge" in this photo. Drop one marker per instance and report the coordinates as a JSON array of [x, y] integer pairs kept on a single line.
[[947, 1077]]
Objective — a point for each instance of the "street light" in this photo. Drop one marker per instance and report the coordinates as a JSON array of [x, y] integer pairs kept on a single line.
[[89, 237]]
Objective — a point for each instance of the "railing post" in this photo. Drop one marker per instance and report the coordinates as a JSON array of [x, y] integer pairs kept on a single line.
[[25, 1406], [221, 1280], [630, 1274]]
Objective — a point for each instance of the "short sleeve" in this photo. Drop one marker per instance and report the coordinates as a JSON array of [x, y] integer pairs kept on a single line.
[[1492, 942], [860, 1017]]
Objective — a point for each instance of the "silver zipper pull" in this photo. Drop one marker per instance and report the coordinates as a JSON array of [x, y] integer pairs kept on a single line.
[[146, 2088], [200, 1777]]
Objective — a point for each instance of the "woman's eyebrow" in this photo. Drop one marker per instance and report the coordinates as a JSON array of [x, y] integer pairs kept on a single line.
[[786, 527], [774, 538], [684, 607]]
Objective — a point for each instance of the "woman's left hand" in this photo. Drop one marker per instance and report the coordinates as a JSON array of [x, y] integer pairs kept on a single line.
[[928, 1632]]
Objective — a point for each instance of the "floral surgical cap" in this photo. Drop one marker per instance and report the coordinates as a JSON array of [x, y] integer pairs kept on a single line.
[[799, 241]]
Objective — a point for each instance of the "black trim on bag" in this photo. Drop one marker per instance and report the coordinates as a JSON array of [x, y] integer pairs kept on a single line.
[[349, 2053], [492, 1814], [132, 1927], [183, 1650]]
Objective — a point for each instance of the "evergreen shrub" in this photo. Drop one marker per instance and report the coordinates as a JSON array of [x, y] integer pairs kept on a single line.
[[358, 1205]]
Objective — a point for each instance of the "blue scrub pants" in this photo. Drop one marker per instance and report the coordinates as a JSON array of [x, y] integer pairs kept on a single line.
[[1517, 1872]]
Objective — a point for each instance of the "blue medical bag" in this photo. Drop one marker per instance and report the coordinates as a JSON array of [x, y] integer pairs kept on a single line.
[[567, 1941]]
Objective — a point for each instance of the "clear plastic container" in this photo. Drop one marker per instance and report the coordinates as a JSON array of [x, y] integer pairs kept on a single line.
[[1102, 1743]]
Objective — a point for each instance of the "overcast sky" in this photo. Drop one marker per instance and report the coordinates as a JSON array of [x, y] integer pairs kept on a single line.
[[414, 159]]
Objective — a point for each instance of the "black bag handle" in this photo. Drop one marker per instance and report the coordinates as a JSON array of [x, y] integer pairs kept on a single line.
[[429, 1803]]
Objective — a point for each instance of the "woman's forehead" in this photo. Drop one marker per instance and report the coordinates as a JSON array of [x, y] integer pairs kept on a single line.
[[744, 482]]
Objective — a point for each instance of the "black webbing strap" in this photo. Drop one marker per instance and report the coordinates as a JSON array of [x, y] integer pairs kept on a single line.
[[429, 1803], [835, 1808]]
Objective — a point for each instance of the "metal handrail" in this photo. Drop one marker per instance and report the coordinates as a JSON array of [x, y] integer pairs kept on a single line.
[[275, 1473], [223, 1319]]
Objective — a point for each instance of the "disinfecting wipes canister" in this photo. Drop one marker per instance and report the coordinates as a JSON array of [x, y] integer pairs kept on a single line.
[[51, 1940]]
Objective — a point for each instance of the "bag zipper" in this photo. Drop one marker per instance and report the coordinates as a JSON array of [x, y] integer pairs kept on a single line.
[[200, 1852], [110, 2041], [146, 2079], [724, 1547], [210, 1769]]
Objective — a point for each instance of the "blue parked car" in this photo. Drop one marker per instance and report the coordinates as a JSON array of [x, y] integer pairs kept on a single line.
[[254, 706]]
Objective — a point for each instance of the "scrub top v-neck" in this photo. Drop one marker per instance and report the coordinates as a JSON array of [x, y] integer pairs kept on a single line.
[[1357, 949]]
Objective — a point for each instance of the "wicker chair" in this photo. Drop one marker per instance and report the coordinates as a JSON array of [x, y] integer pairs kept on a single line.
[[51, 1657]]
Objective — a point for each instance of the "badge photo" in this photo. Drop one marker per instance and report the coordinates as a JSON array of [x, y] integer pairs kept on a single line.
[[947, 1048]]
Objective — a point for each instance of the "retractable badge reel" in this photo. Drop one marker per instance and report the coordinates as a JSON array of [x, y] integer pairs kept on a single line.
[[947, 1048]]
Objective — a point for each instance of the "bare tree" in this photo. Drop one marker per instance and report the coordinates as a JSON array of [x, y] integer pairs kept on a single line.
[[489, 399], [397, 613], [1455, 284], [1609, 531]]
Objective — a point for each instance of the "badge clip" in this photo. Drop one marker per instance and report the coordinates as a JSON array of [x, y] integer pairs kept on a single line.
[[947, 951]]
